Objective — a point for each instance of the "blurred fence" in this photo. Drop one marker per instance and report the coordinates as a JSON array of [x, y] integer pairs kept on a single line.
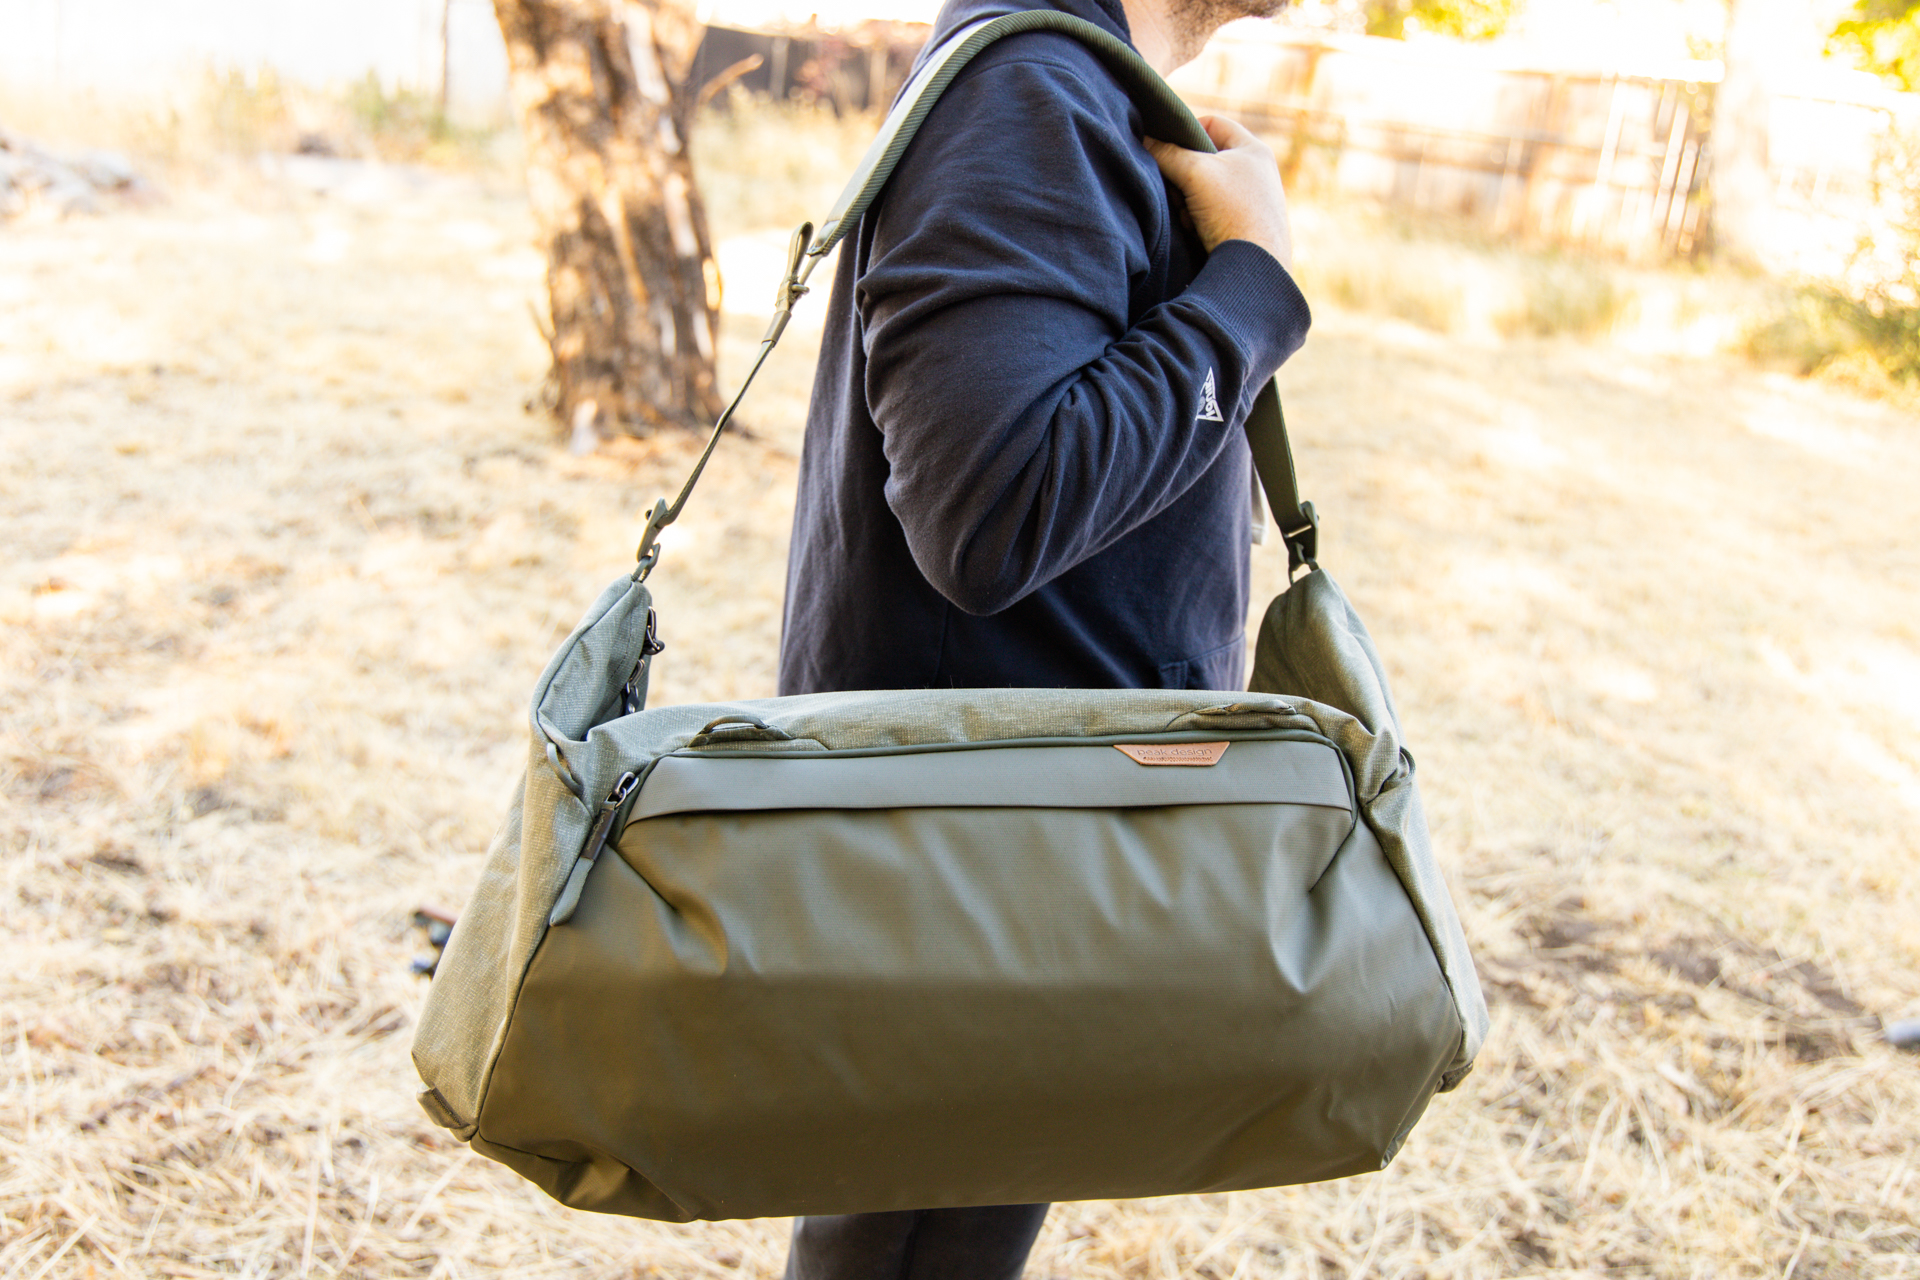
[[1599, 159], [1616, 159], [857, 68], [1570, 156]]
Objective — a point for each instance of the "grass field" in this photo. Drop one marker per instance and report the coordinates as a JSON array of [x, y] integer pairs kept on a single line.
[[284, 554]]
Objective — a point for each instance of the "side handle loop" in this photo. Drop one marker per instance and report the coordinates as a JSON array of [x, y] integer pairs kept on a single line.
[[737, 728]]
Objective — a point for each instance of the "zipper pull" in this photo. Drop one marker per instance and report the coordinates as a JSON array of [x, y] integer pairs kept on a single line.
[[569, 899]]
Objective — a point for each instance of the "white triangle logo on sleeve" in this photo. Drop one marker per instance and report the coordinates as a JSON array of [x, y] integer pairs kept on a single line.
[[1209, 402]]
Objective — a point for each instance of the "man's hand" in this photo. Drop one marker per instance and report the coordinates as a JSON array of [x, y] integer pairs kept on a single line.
[[1234, 194]]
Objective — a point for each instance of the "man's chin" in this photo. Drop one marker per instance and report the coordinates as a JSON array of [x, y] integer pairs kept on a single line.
[[1193, 22], [1202, 18]]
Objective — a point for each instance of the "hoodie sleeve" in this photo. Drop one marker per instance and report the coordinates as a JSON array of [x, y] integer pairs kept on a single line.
[[1029, 418]]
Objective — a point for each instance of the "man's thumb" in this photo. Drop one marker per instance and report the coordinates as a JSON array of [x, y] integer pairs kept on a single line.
[[1175, 162]]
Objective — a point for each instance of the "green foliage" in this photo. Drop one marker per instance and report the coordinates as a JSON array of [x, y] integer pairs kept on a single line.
[[1829, 331], [1808, 334], [1871, 327], [1886, 311], [1885, 36], [1462, 19], [1889, 333]]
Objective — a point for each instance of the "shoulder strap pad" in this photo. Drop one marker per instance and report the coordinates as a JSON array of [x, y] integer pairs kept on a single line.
[[1166, 116]]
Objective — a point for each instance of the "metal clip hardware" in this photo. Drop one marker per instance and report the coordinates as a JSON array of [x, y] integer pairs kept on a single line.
[[633, 694], [792, 284], [648, 552], [1303, 543]]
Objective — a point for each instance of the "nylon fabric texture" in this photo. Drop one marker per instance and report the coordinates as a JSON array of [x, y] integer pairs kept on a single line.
[[828, 1011], [501, 1042]]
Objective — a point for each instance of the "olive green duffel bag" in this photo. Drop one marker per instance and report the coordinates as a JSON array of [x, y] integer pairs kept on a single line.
[[903, 950]]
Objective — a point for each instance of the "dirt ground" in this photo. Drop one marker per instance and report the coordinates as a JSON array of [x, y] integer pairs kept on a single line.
[[285, 553]]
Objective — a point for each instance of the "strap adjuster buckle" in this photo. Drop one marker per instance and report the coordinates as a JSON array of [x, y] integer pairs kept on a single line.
[[1303, 542]]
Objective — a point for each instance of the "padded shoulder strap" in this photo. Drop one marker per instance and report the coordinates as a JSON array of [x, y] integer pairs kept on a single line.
[[1165, 115]]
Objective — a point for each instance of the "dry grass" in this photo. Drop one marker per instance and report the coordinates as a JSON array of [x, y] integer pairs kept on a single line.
[[1453, 279], [285, 555]]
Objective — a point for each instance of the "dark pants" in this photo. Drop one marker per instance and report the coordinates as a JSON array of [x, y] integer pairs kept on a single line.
[[916, 1244]]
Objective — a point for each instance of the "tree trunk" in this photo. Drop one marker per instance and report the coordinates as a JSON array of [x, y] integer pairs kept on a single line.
[[1741, 186], [634, 291]]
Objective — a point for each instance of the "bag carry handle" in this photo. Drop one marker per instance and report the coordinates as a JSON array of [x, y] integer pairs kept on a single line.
[[1165, 116]]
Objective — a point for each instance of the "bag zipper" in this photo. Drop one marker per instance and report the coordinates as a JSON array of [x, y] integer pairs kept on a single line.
[[569, 899]]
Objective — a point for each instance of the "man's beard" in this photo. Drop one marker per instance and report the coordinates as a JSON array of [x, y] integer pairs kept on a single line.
[[1195, 21]]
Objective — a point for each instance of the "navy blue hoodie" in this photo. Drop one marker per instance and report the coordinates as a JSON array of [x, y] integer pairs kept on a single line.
[[1024, 459]]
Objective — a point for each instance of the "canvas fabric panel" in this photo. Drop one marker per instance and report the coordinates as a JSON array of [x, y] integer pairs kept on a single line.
[[1312, 642], [1016, 1012]]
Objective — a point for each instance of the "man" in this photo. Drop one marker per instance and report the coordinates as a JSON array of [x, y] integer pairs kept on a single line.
[[1024, 461]]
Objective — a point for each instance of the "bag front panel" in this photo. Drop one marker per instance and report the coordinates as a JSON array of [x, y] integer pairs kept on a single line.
[[1019, 1004]]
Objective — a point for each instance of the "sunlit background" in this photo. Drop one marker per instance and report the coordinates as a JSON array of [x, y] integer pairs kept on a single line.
[[1617, 451]]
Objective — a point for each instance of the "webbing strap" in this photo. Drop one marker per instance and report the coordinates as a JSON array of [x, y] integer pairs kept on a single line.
[[1273, 463], [1164, 114], [1165, 117]]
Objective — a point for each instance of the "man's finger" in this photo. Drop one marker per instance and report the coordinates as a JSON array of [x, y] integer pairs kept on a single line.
[[1226, 133]]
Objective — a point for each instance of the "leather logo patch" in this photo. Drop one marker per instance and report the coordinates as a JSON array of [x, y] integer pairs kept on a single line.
[[1187, 753]]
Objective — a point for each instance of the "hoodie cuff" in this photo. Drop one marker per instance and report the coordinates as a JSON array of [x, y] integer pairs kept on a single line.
[[1255, 300]]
